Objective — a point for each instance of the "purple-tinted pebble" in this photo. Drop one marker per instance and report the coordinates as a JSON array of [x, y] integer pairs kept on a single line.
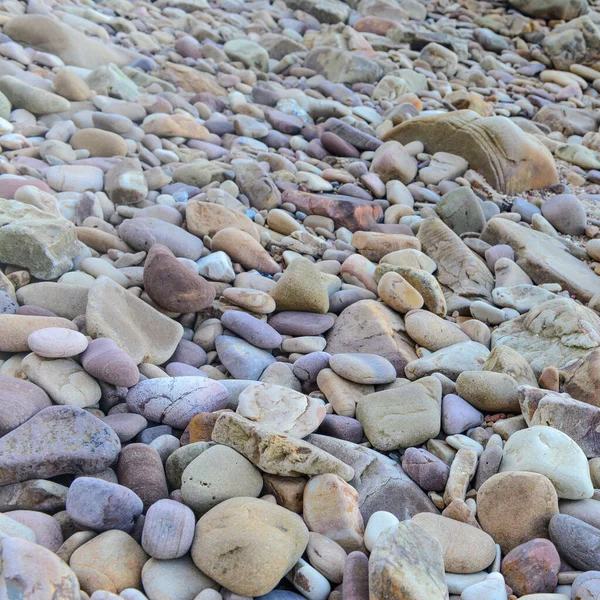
[[298, 323], [344, 428], [253, 330], [458, 415], [425, 469], [307, 367]]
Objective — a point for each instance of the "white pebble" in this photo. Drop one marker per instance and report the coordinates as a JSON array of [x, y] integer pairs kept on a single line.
[[309, 582], [459, 441], [378, 522]]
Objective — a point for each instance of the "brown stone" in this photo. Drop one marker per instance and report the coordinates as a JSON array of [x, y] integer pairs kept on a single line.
[[516, 507], [532, 568], [206, 218], [201, 426], [241, 247], [140, 469], [288, 491], [509, 159], [370, 327], [346, 211], [174, 286]]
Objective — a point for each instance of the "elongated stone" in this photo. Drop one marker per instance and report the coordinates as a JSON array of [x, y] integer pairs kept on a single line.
[[273, 452]]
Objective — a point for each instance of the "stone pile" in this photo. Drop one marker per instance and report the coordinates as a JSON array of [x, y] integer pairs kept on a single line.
[[299, 299]]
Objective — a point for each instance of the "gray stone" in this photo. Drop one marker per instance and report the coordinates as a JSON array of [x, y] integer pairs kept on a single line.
[[380, 481], [554, 333], [37, 240], [461, 210], [56, 441]]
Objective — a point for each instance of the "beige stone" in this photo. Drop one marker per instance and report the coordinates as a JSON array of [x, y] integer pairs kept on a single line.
[[402, 417], [510, 160], [111, 561], [375, 245], [273, 452], [15, 329], [248, 545], [281, 409], [342, 394], [466, 549], [301, 288], [243, 248], [432, 332], [206, 218], [216, 475], [489, 391], [407, 563], [331, 509], [30, 571], [459, 269], [144, 333], [99, 142], [398, 294]]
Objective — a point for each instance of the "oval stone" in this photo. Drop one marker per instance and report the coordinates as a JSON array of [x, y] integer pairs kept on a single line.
[[99, 505], [140, 468], [532, 568], [577, 542], [363, 368], [57, 342], [168, 530], [142, 232], [175, 400], [253, 330], [105, 361]]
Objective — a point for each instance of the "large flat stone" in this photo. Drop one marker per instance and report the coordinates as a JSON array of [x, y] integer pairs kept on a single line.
[[370, 327], [58, 440], [545, 259], [510, 159], [381, 482], [144, 333]]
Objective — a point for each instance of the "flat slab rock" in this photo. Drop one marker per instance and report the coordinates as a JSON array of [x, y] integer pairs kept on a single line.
[[380, 481], [144, 333], [58, 440], [276, 453], [545, 259], [553, 333]]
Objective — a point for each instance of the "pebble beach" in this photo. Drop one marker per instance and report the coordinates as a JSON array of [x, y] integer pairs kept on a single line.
[[299, 300]]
